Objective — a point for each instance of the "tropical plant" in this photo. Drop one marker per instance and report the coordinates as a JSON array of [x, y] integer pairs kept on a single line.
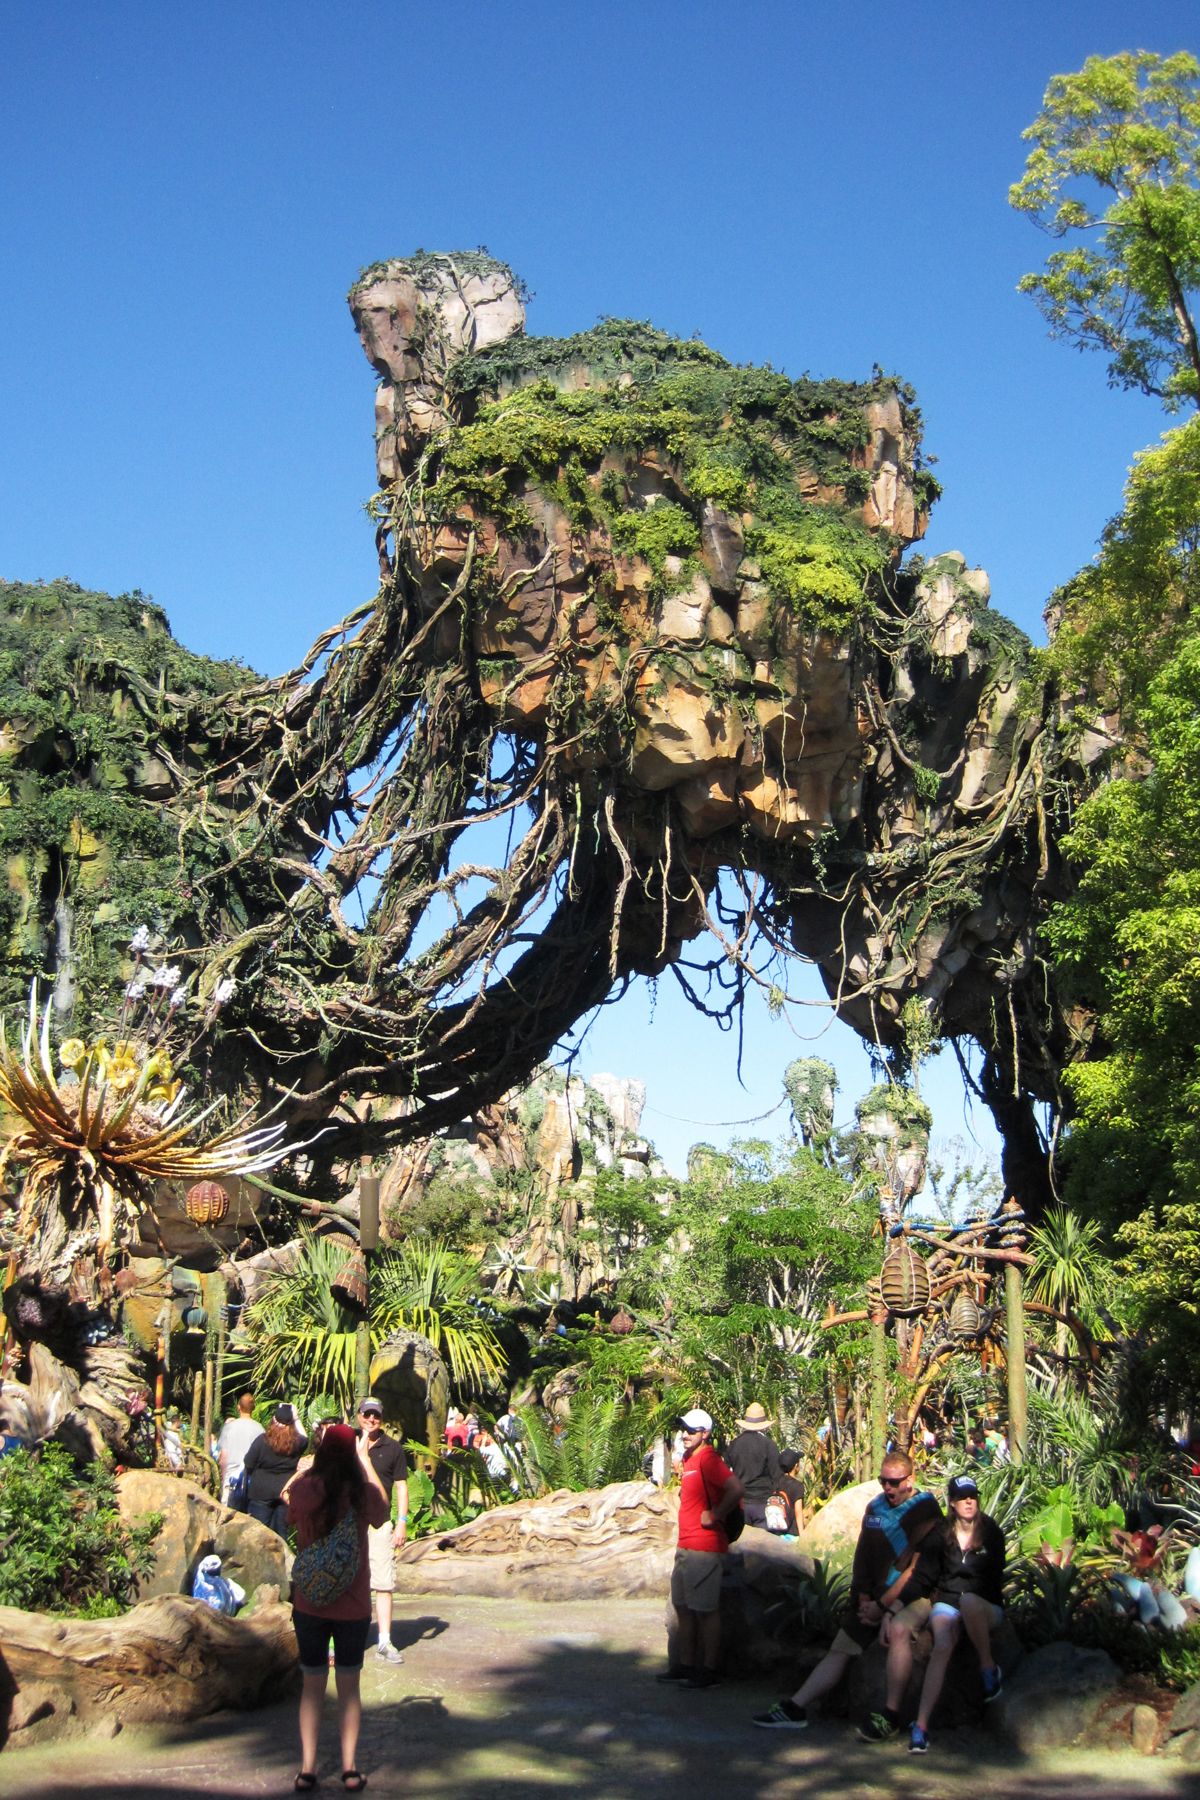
[[303, 1337], [426, 1287], [66, 1548], [93, 1139], [452, 1496], [1070, 1271], [809, 1606], [604, 1440]]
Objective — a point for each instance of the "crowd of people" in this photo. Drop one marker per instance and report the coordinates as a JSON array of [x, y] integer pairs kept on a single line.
[[914, 1567], [344, 1498]]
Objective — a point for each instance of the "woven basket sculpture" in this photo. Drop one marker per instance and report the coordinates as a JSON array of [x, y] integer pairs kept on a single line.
[[904, 1280], [349, 1285], [206, 1203], [964, 1316]]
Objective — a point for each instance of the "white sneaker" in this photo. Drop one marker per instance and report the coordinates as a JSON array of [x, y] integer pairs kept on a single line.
[[388, 1653]]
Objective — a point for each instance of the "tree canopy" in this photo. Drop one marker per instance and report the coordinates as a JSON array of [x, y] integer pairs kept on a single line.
[[1115, 173]]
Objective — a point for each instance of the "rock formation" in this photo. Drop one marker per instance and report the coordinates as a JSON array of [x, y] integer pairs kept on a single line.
[[643, 615], [614, 1540], [195, 1526], [168, 1660]]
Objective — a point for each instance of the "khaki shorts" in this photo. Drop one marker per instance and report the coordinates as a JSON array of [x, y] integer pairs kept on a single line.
[[381, 1546], [696, 1580], [854, 1637]]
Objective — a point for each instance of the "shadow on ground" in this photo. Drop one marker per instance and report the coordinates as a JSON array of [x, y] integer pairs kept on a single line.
[[503, 1700]]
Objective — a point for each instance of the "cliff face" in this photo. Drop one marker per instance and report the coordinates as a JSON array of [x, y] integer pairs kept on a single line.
[[684, 580]]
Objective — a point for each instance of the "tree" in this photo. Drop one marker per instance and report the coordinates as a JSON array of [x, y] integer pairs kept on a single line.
[[1122, 617], [1070, 1270], [1128, 126], [303, 1336]]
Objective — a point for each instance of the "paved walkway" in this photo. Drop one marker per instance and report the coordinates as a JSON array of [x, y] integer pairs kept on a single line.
[[501, 1700]]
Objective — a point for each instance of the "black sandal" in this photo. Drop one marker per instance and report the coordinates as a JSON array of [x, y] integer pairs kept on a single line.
[[353, 1782], [304, 1783]]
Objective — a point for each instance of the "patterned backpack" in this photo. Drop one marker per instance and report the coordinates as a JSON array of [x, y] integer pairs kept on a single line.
[[323, 1571]]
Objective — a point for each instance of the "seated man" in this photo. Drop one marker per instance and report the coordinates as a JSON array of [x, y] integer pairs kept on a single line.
[[885, 1602]]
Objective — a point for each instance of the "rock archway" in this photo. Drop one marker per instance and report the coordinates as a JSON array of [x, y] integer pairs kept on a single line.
[[644, 664]]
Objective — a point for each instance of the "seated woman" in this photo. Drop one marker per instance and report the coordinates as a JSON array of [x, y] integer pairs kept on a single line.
[[963, 1567]]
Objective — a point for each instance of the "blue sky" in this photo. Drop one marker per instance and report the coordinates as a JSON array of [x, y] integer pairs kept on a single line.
[[187, 193]]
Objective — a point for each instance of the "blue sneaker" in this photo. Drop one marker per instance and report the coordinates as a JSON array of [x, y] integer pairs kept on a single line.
[[918, 1741], [992, 1682]]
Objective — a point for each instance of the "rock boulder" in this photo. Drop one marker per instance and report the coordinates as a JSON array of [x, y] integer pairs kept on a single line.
[[167, 1660], [1056, 1696], [195, 1526], [618, 1540]]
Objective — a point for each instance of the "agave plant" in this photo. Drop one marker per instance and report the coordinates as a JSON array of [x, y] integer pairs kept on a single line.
[[93, 1138]]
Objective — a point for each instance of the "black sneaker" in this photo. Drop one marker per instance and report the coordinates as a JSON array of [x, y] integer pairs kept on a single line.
[[784, 1717], [676, 1672], [878, 1727], [702, 1678]]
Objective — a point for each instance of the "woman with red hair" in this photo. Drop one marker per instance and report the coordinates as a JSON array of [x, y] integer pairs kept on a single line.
[[341, 1480]]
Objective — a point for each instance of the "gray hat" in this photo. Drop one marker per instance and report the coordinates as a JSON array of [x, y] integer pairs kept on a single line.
[[371, 1404]]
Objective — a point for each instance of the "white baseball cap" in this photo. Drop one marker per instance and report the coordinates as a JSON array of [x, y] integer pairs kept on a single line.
[[696, 1420]]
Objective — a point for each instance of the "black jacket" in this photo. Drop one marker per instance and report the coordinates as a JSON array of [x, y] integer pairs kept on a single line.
[[755, 1461], [947, 1572]]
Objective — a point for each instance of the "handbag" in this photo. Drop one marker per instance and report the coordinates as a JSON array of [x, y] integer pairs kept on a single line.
[[325, 1569]]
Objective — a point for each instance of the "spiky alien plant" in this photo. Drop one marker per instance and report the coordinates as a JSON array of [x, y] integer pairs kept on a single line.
[[92, 1140]]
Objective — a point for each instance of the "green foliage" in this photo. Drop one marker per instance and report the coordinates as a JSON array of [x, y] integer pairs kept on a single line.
[[1061, 1520], [424, 264], [1124, 616], [65, 1546], [1129, 127], [748, 440], [431, 1289], [658, 532], [303, 1338], [1127, 945], [604, 1440], [90, 689], [751, 1250], [442, 1503], [1070, 1270], [810, 1608]]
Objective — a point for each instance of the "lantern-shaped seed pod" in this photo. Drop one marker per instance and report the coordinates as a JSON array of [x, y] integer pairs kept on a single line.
[[622, 1322], [206, 1203], [964, 1316], [349, 1285], [904, 1281]]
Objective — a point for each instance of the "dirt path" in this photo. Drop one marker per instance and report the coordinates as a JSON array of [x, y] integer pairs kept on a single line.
[[502, 1700]]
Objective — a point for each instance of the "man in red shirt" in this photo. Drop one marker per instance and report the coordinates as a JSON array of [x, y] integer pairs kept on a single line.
[[708, 1494]]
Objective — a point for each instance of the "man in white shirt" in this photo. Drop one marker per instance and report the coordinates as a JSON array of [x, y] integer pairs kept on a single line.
[[237, 1435]]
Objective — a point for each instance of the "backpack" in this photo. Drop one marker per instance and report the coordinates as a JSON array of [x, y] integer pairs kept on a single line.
[[777, 1515], [323, 1571]]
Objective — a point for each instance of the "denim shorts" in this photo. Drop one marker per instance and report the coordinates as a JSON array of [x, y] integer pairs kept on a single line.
[[313, 1635], [944, 1610]]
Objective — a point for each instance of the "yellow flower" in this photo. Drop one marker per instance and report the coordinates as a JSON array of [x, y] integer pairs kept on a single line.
[[73, 1053]]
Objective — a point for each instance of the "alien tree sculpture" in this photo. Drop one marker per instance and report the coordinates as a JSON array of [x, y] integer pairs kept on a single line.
[[643, 663]]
